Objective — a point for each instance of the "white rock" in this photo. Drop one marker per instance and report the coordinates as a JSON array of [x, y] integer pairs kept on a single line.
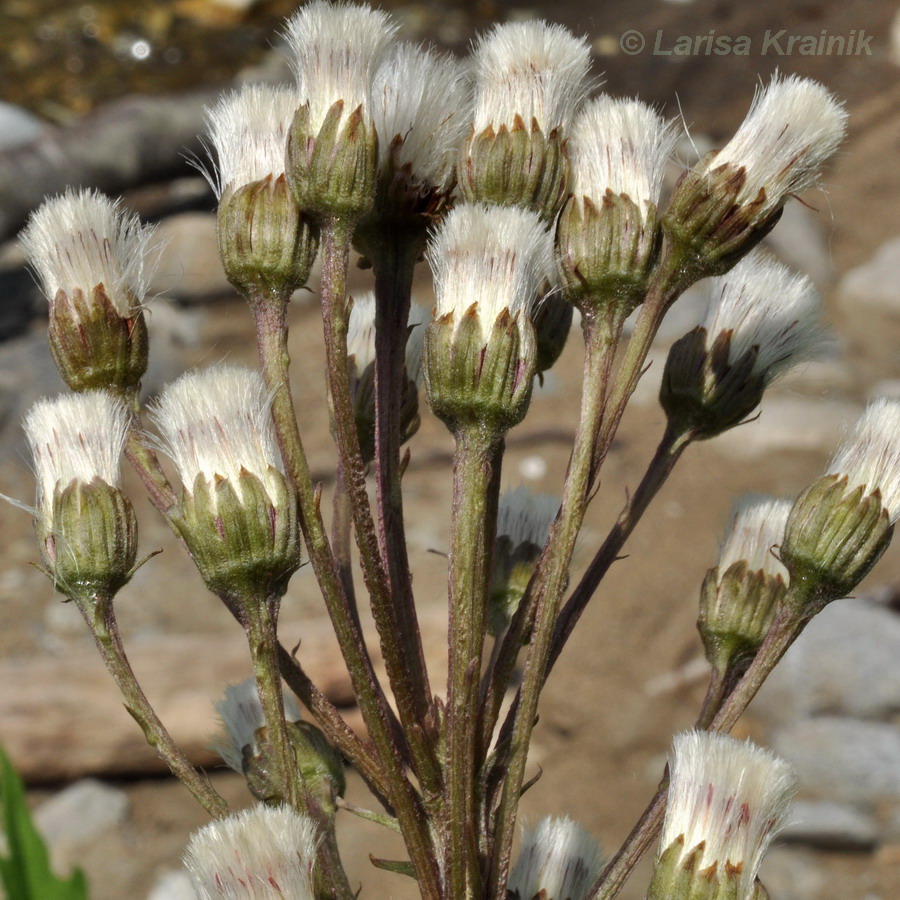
[[800, 241], [793, 873], [791, 423], [830, 826], [18, 126], [844, 663], [174, 885], [874, 283], [844, 760], [77, 815]]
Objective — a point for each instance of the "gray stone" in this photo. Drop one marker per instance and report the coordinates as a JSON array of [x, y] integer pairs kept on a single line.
[[874, 283], [830, 826], [686, 313], [189, 267], [174, 885], [844, 760], [792, 873], [77, 815], [18, 126], [802, 424], [799, 240], [844, 663]]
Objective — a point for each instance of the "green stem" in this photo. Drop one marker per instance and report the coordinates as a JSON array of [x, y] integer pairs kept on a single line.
[[341, 528], [476, 488], [100, 617], [402, 670], [547, 587], [271, 330]]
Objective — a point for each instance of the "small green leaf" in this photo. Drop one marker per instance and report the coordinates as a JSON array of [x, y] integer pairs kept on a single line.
[[25, 873]]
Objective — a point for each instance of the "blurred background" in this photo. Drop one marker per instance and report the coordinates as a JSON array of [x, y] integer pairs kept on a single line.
[[111, 94]]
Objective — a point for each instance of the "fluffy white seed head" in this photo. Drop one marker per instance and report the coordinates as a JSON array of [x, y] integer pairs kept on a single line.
[[557, 856], [361, 334], [423, 97], [730, 794], [794, 125], [75, 437], [82, 239], [622, 146], [870, 454], [242, 716], [216, 422], [758, 524], [532, 70], [336, 49], [248, 129], [495, 257], [262, 853], [526, 517], [764, 305]]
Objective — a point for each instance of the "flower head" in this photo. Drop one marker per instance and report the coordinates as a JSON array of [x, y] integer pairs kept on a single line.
[[620, 146], [215, 424], [75, 438], [420, 103], [529, 71], [727, 800], [81, 240], [242, 716], [249, 129], [757, 527], [557, 857], [336, 49], [262, 853], [489, 259], [766, 309], [869, 457], [793, 127], [525, 517]]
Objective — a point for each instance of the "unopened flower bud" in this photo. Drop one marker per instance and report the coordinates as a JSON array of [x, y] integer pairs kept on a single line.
[[529, 76], [731, 200], [267, 245], [93, 260], [523, 524], [262, 853], [85, 525], [245, 747], [361, 356], [727, 800], [608, 231], [843, 522], [489, 264], [741, 594], [333, 147], [559, 860], [762, 321], [238, 512]]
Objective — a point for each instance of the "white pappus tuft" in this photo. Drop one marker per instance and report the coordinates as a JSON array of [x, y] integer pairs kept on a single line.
[[558, 857], [525, 517], [216, 422], [424, 98], [75, 437], [361, 334], [730, 795], [766, 306], [758, 523], [793, 127], [492, 257], [249, 129], [242, 716], [336, 49], [532, 70], [82, 239], [621, 146], [870, 455], [262, 853]]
